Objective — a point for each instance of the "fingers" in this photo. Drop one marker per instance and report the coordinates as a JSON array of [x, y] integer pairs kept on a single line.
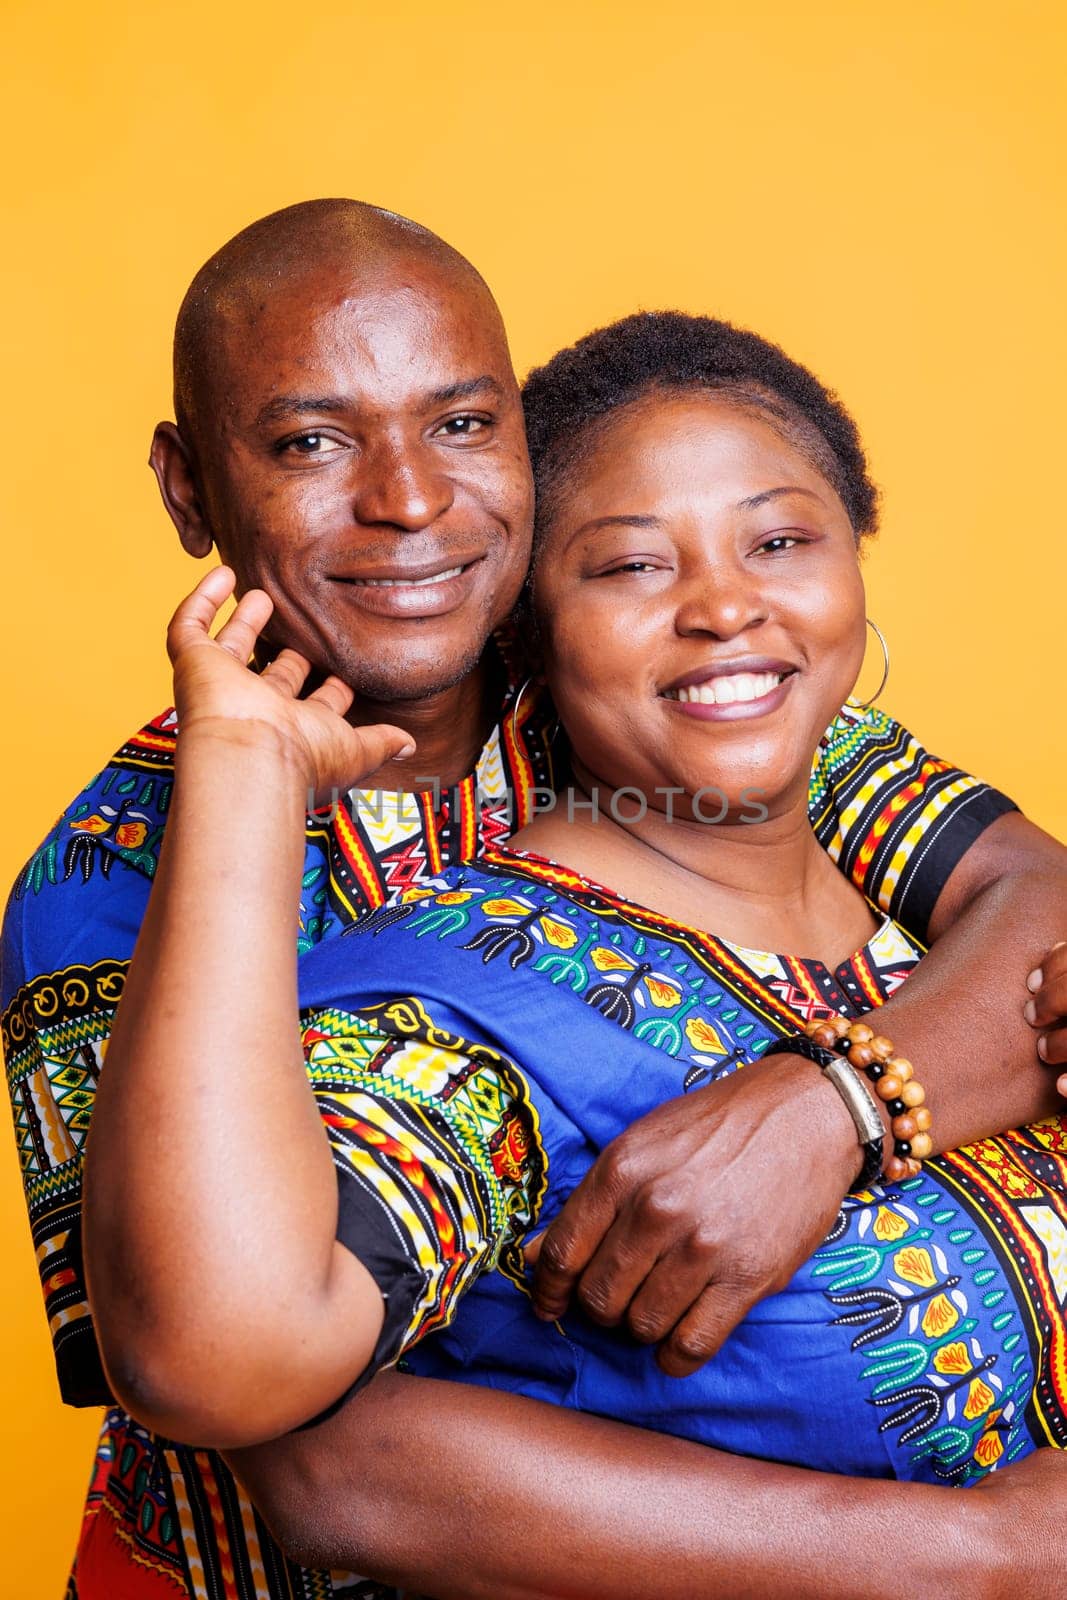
[[378, 744], [239, 633], [1046, 1010], [334, 694], [192, 620], [1053, 966], [287, 672], [703, 1329], [570, 1242]]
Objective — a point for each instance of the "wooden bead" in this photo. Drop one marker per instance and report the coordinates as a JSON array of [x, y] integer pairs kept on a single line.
[[888, 1088], [921, 1146], [859, 1033], [861, 1055], [811, 1026], [882, 1047], [923, 1119], [905, 1127], [903, 1068], [895, 1169], [913, 1094], [824, 1035], [914, 1167], [841, 1026]]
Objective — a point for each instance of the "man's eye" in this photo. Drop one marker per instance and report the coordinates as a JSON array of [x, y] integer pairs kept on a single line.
[[780, 541], [310, 444], [462, 427]]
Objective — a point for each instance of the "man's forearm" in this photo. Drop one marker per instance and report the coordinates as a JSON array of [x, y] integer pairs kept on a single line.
[[209, 1271], [470, 1494], [960, 1014]]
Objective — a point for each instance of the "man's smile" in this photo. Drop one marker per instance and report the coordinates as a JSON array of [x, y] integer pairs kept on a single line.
[[413, 592]]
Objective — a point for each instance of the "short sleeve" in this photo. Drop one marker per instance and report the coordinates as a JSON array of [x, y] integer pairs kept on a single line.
[[895, 819], [438, 1154]]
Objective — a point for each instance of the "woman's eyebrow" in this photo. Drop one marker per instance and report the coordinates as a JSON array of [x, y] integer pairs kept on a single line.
[[620, 521], [752, 501]]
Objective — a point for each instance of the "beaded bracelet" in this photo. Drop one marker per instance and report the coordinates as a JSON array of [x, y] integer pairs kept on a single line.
[[894, 1082]]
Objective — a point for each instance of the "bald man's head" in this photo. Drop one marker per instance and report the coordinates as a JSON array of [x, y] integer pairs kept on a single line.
[[349, 437], [279, 250]]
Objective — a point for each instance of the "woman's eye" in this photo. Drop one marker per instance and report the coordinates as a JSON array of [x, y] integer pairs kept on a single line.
[[780, 541], [462, 427], [630, 566]]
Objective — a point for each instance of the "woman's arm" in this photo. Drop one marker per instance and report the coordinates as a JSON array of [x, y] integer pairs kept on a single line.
[[205, 1079], [715, 1177], [468, 1494]]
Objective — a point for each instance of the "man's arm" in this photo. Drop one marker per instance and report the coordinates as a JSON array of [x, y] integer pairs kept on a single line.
[[711, 1201], [469, 1494]]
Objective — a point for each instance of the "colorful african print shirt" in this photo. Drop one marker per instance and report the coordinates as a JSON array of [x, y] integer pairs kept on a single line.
[[926, 1339], [164, 1520]]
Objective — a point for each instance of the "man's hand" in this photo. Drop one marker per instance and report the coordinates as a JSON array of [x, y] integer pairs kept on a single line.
[[1046, 1010], [701, 1208], [214, 690]]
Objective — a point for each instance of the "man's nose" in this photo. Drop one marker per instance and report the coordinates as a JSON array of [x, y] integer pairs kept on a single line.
[[399, 486], [721, 603]]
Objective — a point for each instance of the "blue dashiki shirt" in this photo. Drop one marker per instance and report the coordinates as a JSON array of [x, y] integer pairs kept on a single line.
[[474, 1051], [163, 1520]]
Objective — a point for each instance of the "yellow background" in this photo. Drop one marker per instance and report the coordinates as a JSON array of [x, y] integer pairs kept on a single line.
[[879, 186]]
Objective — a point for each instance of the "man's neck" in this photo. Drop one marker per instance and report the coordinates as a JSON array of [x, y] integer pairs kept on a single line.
[[449, 728]]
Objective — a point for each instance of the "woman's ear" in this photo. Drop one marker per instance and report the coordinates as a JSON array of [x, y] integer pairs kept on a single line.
[[172, 463]]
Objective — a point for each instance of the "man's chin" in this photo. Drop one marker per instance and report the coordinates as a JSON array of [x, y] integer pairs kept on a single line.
[[407, 679]]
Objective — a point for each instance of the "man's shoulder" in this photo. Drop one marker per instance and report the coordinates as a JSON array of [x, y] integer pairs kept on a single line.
[[118, 818]]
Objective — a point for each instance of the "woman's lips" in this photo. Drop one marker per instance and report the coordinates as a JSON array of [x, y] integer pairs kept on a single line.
[[732, 697]]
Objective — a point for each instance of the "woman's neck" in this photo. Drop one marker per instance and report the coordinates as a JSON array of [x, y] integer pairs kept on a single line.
[[765, 885]]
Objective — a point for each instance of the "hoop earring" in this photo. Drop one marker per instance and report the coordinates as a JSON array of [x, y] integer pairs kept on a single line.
[[865, 705], [515, 710]]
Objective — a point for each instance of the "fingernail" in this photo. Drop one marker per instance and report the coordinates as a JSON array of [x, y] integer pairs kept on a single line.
[[406, 750], [1042, 1048], [1035, 980], [1030, 1012], [1061, 1084]]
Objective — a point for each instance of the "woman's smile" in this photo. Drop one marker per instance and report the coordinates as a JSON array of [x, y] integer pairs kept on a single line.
[[731, 690]]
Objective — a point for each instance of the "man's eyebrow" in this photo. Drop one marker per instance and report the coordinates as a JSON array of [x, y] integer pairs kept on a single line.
[[289, 405], [466, 389], [751, 503]]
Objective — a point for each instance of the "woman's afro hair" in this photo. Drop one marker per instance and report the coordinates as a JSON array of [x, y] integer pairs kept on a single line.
[[670, 351]]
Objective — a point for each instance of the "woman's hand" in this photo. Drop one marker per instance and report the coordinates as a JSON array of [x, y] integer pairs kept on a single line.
[[1046, 1010], [214, 690], [700, 1208]]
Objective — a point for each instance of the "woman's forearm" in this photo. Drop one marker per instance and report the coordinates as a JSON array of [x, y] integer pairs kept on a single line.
[[469, 1494], [211, 1261]]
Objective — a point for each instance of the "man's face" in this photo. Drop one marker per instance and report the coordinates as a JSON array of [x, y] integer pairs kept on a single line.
[[363, 460]]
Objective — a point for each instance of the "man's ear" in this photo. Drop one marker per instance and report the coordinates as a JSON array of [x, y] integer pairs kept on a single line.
[[172, 464]]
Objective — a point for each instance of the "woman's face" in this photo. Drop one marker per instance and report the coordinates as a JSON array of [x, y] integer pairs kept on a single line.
[[700, 598]]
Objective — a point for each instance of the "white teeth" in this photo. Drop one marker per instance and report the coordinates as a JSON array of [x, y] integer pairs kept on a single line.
[[727, 691], [408, 583]]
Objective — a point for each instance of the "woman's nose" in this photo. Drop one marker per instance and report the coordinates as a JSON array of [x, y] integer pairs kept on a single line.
[[721, 605], [400, 486]]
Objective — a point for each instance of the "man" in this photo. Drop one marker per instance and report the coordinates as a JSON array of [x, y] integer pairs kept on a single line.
[[349, 436]]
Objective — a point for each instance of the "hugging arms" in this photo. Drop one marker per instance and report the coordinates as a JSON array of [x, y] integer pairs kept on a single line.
[[251, 469]]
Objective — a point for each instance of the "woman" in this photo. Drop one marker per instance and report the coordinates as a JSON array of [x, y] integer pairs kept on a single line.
[[698, 598]]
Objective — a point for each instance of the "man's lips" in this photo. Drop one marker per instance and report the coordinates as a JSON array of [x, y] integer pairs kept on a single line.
[[414, 591]]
